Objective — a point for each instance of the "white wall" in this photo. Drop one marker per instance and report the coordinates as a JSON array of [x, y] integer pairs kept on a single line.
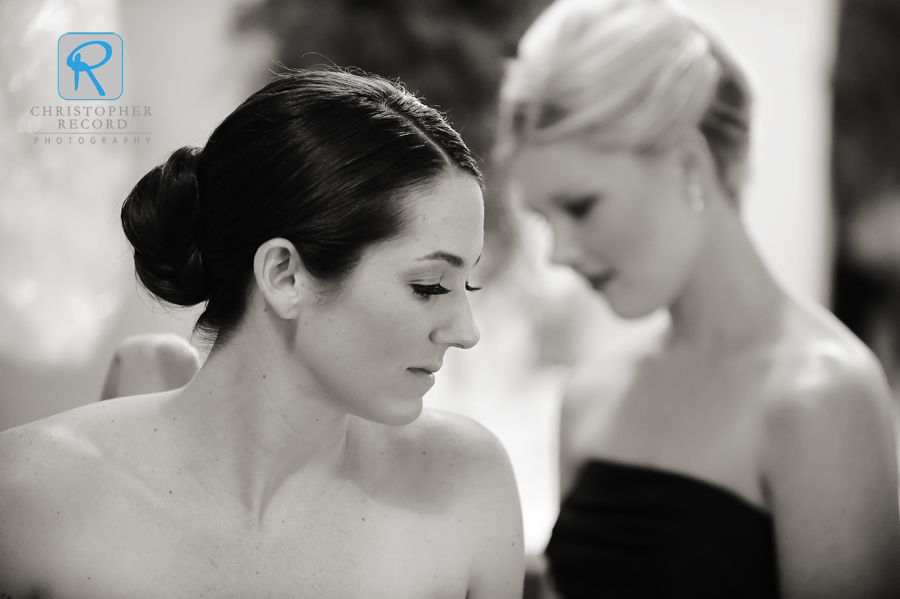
[[788, 47]]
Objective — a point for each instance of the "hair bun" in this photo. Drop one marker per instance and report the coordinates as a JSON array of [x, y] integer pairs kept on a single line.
[[161, 218]]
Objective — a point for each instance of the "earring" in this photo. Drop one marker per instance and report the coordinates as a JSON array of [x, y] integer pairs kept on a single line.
[[695, 195]]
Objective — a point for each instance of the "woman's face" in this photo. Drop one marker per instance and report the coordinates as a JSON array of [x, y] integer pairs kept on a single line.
[[374, 347], [621, 220]]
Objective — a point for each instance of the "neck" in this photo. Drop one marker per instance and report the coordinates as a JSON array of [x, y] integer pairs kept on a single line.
[[731, 302], [253, 427]]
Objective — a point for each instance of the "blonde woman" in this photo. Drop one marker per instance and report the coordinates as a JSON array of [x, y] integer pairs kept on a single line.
[[747, 450]]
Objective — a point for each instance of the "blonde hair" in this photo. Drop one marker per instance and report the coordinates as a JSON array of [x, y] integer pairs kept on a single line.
[[626, 74]]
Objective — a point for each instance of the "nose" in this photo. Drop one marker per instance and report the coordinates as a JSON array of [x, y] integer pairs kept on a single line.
[[459, 330]]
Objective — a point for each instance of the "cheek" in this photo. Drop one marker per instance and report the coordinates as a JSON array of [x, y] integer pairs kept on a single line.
[[651, 243], [620, 234], [382, 331], [361, 358], [672, 243]]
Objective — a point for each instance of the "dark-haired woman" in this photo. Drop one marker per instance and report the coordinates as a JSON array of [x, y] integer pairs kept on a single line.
[[746, 448], [329, 224]]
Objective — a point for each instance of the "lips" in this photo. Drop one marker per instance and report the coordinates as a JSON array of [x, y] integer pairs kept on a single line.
[[424, 371], [601, 280], [423, 377]]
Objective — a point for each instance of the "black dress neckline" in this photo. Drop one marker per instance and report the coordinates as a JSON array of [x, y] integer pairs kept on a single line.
[[677, 478], [632, 531]]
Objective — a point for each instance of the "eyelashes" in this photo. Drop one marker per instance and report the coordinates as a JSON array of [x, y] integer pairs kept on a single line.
[[427, 291]]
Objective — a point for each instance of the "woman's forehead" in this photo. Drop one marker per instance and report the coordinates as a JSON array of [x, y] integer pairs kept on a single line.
[[446, 218], [542, 171]]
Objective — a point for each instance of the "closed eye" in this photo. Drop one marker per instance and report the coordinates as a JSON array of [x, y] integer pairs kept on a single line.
[[426, 291], [579, 208]]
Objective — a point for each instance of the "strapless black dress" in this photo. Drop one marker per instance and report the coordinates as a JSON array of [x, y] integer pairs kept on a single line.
[[628, 532]]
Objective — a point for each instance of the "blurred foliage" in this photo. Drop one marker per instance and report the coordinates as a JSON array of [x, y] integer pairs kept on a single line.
[[449, 52]]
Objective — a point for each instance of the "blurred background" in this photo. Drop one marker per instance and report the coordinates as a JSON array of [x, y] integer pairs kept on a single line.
[[823, 202]]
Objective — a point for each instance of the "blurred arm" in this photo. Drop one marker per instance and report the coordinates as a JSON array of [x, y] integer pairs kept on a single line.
[[150, 363]]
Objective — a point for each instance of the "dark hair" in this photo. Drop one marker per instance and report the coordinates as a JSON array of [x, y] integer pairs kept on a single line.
[[322, 158]]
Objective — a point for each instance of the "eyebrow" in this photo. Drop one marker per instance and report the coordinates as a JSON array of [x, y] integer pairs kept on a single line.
[[451, 259], [572, 198]]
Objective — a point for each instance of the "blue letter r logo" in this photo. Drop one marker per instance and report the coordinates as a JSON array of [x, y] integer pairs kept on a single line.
[[99, 56]]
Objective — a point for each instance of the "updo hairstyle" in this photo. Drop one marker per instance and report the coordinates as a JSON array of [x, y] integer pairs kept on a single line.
[[322, 158], [626, 74]]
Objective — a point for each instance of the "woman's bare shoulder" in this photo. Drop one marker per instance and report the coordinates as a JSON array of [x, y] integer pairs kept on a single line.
[[826, 398], [829, 391], [57, 477], [464, 472], [49, 468], [830, 463], [70, 450], [825, 388], [822, 364], [445, 462], [452, 444], [40, 448]]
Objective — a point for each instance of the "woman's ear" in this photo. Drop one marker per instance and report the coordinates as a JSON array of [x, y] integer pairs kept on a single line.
[[281, 277], [697, 158], [699, 170]]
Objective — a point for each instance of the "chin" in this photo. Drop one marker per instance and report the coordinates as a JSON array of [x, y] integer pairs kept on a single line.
[[396, 411], [630, 309]]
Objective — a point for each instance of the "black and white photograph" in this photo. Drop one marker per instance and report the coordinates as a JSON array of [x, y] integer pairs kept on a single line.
[[449, 299]]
